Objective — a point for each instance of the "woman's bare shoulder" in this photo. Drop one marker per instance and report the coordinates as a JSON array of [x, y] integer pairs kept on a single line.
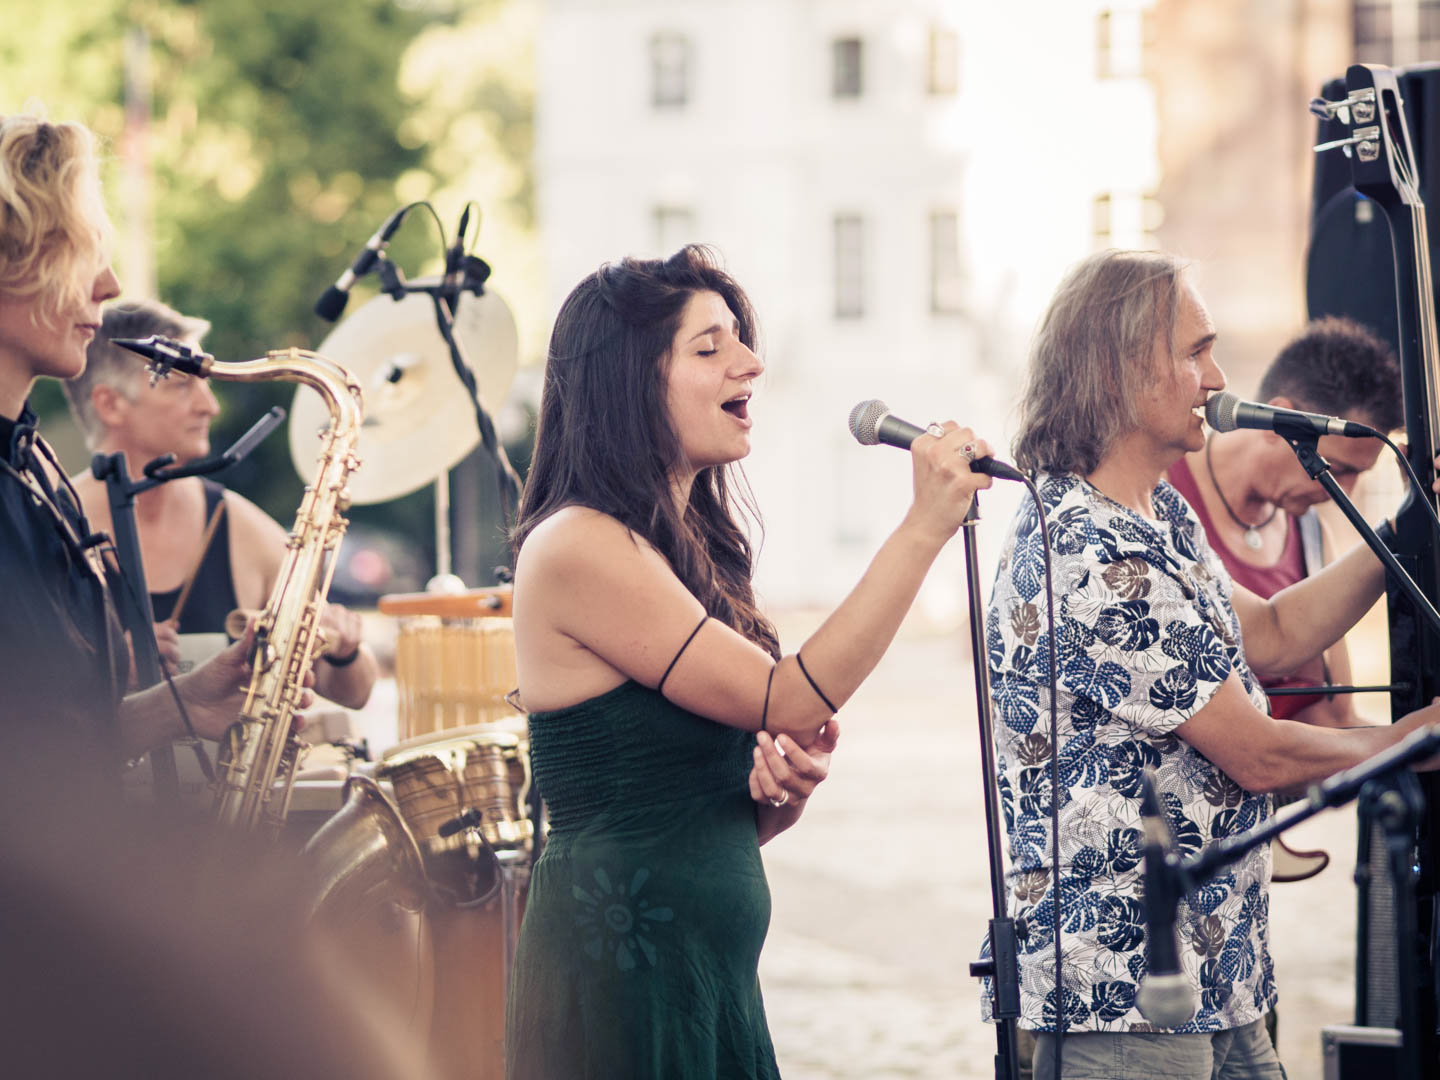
[[579, 535]]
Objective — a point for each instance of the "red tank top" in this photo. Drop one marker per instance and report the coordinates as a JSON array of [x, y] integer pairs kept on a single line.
[[1264, 581]]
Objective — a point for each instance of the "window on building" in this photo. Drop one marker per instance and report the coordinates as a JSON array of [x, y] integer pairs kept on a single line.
[[849, 266], [943, 62], [847, 77], [1397, 32], [674, 228], [1102, 226], [947, 275], [669, 70], [1125, 219], [1119, 43]]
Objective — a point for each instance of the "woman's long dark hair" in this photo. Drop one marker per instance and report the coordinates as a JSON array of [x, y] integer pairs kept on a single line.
[[604, 438]]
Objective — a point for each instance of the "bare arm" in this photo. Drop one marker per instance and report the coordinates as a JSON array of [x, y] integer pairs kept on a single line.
[[1298, 623], [1337, 711], [348, 669], [1262, 754], [213, 693], [787, 773], [257, 550], [594, 606]]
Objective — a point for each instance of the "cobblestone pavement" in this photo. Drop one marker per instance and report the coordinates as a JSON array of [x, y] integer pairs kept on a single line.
[[881, 894]]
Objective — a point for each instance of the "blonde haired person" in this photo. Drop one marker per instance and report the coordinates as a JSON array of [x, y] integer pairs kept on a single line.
[[65, 658]]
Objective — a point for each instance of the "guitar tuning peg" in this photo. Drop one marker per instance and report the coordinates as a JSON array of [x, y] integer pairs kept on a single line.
[[1326, 109]]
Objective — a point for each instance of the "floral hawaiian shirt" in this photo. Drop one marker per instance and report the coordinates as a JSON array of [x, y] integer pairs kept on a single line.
[[1145, 634]]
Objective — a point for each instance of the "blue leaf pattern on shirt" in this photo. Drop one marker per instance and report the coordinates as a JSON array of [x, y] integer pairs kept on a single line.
[[1145, 635], [1198, 649], [1128, 626], [1176, 689]]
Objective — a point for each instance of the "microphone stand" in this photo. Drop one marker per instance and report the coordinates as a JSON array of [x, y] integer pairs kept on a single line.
[[1381, 782], [1003, 963], [133, 599], [1305, 447], [1395, 808], [446, 296]]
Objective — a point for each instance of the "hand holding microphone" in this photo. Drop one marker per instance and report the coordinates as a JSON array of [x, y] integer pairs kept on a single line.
[[950, 463], [872, 422]]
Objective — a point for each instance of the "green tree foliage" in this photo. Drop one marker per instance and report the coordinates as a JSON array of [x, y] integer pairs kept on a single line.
[[282, 133]]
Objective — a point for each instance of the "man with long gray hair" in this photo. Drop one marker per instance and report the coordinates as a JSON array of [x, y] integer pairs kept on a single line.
[[1155, 654]]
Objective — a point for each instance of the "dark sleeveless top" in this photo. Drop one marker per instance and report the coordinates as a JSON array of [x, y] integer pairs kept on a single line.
[[639, 949], [213, 595], [1264, 581], [65, 656]]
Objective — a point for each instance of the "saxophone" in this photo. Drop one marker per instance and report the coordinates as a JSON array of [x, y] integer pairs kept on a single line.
[[259, 754]]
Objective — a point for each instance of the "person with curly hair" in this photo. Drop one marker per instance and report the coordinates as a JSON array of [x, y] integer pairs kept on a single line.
[[670, 736]]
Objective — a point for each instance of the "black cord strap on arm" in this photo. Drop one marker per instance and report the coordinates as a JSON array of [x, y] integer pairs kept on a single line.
[[660, 686], [821, 693], [765, 712]]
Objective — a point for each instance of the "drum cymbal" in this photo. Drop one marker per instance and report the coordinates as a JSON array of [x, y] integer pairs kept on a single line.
[[419, 421]]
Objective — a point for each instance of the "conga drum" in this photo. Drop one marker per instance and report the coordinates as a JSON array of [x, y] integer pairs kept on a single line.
[[462, 795], [461, 777], [454, 660]]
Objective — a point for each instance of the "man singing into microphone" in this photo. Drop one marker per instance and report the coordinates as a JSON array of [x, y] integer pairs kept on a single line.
[[1155, 649]]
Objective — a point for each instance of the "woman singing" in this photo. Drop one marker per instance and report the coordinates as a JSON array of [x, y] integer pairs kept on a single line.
[[669, 736]]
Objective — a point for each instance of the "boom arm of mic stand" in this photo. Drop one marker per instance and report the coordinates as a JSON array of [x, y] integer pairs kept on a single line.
[[1336, 791], [1319, 470], [157, 473], [1003, 965]]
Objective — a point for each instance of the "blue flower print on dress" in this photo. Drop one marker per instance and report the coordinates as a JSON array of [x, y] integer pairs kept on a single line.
[[615, 919]]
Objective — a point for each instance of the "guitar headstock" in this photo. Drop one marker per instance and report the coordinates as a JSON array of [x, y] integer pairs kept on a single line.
[[1382, 157]]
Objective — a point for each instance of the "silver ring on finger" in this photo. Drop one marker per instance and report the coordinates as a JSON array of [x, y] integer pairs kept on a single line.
[[777, 803], [935, 431], [968, 451]]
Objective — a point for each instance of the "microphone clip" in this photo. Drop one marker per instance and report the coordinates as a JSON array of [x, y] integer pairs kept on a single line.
[[164, 355], [475, 272]]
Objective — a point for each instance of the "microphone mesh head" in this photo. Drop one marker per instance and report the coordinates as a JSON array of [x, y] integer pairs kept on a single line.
[[1220, 411], [865, 421]]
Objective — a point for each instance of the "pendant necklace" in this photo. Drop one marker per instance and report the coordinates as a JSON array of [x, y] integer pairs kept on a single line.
[[1252, 532]]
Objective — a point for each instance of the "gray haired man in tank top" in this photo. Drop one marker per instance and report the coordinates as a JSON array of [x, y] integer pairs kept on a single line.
[[191, 532]]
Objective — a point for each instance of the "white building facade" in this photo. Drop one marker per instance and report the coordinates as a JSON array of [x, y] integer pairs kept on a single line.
[[899, 186]]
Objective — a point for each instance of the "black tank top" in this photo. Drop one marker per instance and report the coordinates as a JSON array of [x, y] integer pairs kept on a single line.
[[213, 595]]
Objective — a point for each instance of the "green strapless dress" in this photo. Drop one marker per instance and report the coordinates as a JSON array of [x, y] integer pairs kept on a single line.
[[642, 932]]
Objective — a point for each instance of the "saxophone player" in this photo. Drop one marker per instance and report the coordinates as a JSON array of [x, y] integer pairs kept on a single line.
[[192, 531]]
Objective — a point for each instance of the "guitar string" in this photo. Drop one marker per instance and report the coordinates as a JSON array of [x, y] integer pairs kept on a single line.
[[1410, 194]]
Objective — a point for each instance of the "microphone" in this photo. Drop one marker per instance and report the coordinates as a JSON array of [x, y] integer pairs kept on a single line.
[[455, 257], [333, 300], [1226, 412], [470, 819], [1166, 997], [872, 422]]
